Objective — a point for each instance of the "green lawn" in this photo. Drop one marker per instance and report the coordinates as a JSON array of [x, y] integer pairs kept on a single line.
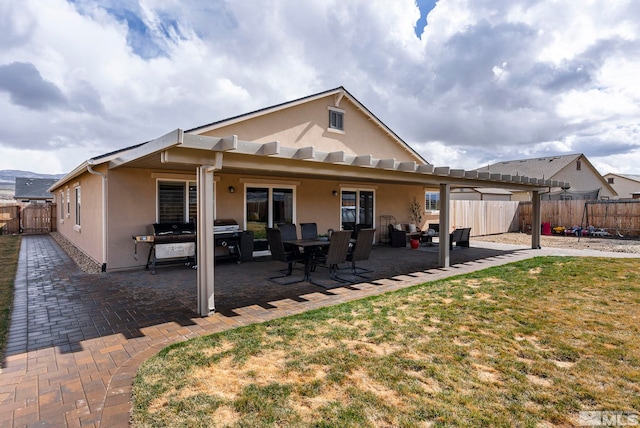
[[9, 249], [526, 344]]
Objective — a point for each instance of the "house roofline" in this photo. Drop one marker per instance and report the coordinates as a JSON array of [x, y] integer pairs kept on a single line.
[[339, 91]]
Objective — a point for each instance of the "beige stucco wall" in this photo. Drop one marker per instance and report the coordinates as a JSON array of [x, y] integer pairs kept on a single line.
[[584, 179], [132, 205], [623, 186], [306, 125], [88, 236]]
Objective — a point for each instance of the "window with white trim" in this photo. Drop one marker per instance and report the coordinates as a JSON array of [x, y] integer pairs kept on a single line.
[[61, 206], [432, 201], [336, 119], [78, 197], [68, 202], [267, 206], [177, 201]]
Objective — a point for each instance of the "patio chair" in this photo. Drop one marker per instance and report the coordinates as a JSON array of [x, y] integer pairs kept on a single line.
[[278, 252], [289, 233], [361, 251], [337, 253], [309, 230]]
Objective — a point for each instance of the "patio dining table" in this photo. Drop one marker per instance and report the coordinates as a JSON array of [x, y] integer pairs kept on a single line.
[[309, 246]]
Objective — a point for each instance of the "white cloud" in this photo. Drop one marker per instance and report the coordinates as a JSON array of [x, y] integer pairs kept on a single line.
[[489, 80]]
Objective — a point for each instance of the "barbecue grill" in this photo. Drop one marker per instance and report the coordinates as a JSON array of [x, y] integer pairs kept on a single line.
[[170, 242], [227, 235]]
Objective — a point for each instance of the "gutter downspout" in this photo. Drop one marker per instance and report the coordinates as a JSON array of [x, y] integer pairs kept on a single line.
[[104, 212]]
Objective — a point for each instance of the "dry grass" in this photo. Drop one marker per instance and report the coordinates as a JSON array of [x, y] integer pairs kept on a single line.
[[527, 344], [9, 250]]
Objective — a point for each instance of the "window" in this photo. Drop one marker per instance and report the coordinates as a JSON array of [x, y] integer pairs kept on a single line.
[[356, 207], [336, 119], [578, 165], [77, 191], [68, 202], [61, 206], [268, 206], [610, 180], [177, 201], [432, 201]]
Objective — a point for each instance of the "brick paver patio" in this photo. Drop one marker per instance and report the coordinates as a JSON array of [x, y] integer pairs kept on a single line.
[[76, 340]]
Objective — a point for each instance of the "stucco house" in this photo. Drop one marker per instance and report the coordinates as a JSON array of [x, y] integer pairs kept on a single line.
[[586, 181], [324, 158], [626, 185]]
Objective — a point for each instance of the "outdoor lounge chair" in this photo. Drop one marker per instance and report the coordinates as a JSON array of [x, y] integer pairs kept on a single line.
[[361, 251], [278, 252], [460, 237]]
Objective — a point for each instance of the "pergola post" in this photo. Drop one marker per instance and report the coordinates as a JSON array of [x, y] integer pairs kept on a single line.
[[205, 240], [536, 220], [444, 237]]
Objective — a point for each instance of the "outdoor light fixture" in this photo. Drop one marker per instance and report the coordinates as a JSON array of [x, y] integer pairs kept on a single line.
[[335, 193], [232, 189]]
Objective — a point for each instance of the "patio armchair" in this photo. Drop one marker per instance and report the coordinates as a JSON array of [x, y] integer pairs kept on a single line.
[[460, 237], [278, 252], [397, 238], [309, 230], [288, 233], [361, 251], [337, 253]]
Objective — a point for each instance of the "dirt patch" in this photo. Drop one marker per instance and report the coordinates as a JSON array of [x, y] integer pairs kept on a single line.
[[557, 241]]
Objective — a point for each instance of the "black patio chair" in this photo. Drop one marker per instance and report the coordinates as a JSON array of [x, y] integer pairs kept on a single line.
[[337, 253], [278, 252], [361, 251], [309, 230]]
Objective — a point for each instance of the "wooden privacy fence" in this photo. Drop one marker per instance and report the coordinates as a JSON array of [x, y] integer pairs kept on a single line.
[[485, 217], [621, 216], [31, 219]]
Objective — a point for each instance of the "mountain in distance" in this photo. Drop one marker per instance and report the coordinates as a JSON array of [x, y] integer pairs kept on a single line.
[[9, 175]]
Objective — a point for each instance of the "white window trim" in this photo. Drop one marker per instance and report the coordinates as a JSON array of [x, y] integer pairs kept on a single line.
[[357, 190], [269, 185], [77, 226], [337, 130], [61, 212], [430, 211], [184, 181]]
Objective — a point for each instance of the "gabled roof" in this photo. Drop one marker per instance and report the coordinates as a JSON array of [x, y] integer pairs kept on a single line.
[[33, 188], [632, 177], [546, 167], [339, 92]]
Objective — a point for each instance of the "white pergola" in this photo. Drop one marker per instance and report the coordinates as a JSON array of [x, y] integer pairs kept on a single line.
[[208, 155]]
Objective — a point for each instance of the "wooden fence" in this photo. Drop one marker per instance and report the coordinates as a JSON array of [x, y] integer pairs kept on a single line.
[[31, 219], [619, 216], [485, 217]]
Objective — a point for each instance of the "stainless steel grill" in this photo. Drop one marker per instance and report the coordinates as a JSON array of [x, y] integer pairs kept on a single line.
[[170, 242]]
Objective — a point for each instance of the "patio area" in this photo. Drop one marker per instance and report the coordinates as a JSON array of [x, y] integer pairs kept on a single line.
[[247, 284], [76, 339]]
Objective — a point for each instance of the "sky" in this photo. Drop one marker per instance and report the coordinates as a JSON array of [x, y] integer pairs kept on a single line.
[[466, 83]]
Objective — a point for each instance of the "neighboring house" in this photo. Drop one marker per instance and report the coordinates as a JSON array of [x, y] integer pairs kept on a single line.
[[34, 189], [324, 158], [480, 194], [626, 185], [586, 181]]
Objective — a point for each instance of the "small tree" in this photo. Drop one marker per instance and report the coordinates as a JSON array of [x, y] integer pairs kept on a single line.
[[416, 212]]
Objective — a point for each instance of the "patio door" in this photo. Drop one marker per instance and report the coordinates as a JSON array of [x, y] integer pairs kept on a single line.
[[265, 207], [357, 207]]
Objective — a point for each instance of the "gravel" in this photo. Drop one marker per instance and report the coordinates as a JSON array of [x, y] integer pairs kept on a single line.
[[618, 245], [84, 262]]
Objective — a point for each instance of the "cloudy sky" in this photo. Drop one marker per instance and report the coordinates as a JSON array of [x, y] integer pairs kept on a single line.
[[465, 82]]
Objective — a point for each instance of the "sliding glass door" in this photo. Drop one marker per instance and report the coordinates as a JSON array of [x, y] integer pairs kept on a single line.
[[357, 207], [267, 207]]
